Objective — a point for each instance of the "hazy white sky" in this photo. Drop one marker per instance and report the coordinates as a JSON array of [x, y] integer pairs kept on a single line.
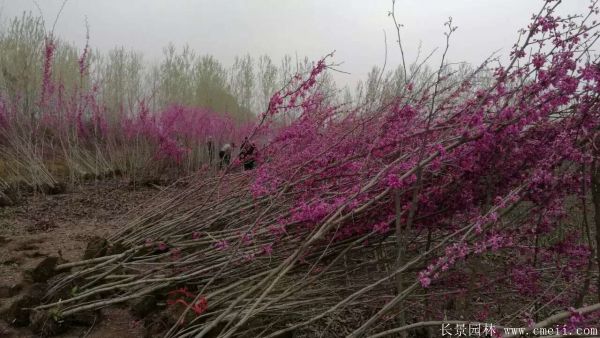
[[313, 28]]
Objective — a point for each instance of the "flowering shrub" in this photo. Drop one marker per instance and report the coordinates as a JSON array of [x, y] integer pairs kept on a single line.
[[457, 158], [73, 126], [178, 130]]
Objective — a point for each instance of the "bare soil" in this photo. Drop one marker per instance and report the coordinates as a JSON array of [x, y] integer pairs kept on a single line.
[[61, 225]]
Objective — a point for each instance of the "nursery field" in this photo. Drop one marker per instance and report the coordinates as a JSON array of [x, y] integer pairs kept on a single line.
[[188, 199]]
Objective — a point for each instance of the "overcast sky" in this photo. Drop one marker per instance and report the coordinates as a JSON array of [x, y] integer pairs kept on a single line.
[[313, 28]]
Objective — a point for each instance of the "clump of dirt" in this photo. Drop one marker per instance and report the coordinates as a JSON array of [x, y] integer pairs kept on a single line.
[[45, 230]]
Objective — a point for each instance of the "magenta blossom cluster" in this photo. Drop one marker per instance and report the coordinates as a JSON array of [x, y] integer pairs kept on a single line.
[[447, 159]]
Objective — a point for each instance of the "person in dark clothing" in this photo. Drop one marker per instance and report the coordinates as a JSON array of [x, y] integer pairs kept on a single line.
[[210, 145], [247, 154], [225, 154]]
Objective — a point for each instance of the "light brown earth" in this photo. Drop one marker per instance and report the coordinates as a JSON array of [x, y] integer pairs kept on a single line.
[[61, 225]]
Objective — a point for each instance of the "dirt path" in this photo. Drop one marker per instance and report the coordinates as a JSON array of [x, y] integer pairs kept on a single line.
[[61, 226]]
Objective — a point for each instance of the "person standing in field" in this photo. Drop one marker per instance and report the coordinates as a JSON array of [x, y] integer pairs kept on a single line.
[[210, 145], [225, 154], [247, 154]]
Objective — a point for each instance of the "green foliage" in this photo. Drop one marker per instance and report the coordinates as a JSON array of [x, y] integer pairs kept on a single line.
[[21, 60], [123, 78]]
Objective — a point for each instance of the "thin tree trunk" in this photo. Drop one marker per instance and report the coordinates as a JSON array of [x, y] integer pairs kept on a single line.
[[595, 173], [401, 243], [585, 224]]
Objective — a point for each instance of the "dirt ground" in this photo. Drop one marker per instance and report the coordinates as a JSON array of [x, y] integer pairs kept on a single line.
[[61, 225]]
